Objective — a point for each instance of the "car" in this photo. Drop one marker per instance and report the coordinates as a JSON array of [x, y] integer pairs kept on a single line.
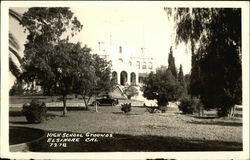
[[105, 100]]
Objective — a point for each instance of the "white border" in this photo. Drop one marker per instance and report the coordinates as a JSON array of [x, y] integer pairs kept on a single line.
[[124, 155]]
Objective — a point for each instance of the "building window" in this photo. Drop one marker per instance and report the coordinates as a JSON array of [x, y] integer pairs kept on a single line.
[[144, 66], [138, 64], [114, 76], [120, 49], [150, 65], [120, 60]]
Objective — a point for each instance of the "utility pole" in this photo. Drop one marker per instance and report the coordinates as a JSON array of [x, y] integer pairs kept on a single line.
[[99, 44], [142, 50]]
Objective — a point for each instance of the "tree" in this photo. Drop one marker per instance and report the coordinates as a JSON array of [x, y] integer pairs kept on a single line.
[[16, 89], [181, 76], [161, 86], [14, 48], [84, 75], [102, 71], [182, 82], [214, 36], [56, 72], [187, 82], [47, 24], [48, 56], [92, 76], [131, 91], [171, 63]]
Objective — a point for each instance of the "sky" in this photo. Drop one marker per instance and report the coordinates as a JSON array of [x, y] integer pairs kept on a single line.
[[134, 27]]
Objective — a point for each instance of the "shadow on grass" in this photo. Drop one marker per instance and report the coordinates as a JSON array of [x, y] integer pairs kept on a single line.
[[129, 113], [15, 113], [205, 117], [20, 122], [129, 143], [31, 97], [19, 113], [220, 123], [68, 108], [19, 135]]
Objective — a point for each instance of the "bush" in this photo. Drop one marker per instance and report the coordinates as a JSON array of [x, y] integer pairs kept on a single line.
[[189, 105], [163, 109], [130, 91], [16, 89], [186, 105], [35, 111], [162, 102], [126, 107], [222, 112]]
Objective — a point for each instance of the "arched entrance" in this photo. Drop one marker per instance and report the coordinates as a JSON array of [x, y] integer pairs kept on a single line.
[[124, 77], [133, 78], [114, 76]]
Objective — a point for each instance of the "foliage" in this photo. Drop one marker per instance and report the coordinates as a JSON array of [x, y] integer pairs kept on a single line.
[[171, 63], [161, 86], [189, 105], [16, 89], [91, 75], [186, 105], [47, 24], [48, 56], [181, 76], [187, 82], [14, 48], [182, 82], [163, 109], [214, 35], [102, 72], [130, 91], [126, 107], [35, 111]]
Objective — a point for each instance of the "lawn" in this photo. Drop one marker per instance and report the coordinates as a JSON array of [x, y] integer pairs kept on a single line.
[[138, 130]]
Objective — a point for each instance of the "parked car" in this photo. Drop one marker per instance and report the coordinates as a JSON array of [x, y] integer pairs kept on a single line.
[[105, 100]]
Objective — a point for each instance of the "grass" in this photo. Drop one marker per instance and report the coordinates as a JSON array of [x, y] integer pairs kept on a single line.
[[18, 101], [139, 130], [47, 99]]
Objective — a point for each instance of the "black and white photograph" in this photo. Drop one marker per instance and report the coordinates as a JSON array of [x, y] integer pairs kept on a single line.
[[117, 80]]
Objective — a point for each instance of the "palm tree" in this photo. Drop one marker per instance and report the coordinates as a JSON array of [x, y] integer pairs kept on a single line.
[[14, 47]]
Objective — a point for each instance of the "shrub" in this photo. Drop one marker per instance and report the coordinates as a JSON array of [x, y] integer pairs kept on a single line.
[[130, 91], [163, 109], [35, 111], [162, 86], [186, 105], [189, 105], [126, 107], [222, 112], [16, 89], [197, 105]]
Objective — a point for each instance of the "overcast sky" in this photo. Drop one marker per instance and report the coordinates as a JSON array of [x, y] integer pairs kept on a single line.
[[134, 27]]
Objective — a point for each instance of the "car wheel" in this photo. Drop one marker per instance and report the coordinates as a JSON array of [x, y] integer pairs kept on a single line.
[[113, 104]]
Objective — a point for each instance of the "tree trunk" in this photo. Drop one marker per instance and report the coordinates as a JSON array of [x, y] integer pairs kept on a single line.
[[87, 106], [64, 105], [230, 112], [201, 111], [85, 102], [96, 108]]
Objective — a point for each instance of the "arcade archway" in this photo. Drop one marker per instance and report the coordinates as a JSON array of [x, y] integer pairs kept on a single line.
[[114, 76], [123, 77], [133, 78]]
